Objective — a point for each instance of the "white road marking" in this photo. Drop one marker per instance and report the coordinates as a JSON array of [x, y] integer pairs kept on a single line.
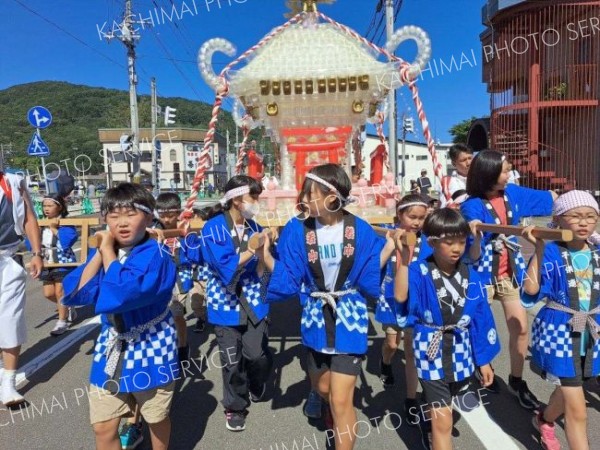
[[487, 431], [71, 338]]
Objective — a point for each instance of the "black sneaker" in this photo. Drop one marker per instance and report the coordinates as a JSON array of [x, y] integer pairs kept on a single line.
[[235, 420], [494, 387], [386, 374], [520, 390], [258, 394], [200, 325], [412, 412]]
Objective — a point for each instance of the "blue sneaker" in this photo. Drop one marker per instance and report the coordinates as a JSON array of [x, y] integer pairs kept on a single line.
[[312, 407], [131, 436]]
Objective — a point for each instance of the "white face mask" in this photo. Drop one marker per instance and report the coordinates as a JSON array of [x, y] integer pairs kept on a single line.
[[250, 210]]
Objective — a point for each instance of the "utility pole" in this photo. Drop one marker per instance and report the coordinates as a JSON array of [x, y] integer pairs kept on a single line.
[[129, 38], [403, 178], [227, 156], [154, 120], [392, 140]]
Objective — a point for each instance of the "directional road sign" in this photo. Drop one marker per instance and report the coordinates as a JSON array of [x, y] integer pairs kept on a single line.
[[39, 117]]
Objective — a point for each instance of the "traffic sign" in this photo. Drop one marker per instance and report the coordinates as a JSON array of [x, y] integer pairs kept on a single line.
[[39, 117], [37, 146]]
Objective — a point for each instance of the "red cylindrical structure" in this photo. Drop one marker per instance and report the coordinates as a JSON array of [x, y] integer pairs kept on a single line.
[[256, 167], [377, 163]]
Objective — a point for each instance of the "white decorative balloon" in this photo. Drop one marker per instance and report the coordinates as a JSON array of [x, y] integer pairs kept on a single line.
[[205, 54], [424, 49]]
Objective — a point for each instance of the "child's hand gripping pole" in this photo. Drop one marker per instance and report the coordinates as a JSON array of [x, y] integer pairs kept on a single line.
[[548, 234], [258, 239]]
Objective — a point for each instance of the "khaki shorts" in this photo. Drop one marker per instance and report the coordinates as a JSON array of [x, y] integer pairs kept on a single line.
[[177, 304], [504, 291], [197, 301], [155, 404], [389, 328]]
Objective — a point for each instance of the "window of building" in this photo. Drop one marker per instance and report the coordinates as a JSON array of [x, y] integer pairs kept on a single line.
[[173, 155], [422, 157]]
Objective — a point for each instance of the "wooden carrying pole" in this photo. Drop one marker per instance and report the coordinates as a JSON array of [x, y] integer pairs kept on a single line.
[[84, 224], [407, 238], [549, 234], [195, 226]]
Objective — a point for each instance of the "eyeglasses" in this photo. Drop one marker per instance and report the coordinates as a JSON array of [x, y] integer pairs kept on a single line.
[[574, 219]]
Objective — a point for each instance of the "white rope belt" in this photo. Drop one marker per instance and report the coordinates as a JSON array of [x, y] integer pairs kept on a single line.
[[114, 346], [329, 298]]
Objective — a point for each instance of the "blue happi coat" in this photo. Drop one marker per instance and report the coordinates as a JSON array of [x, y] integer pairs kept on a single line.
[[292, 271], [552, 345], [62, 246], [388, 311], [477, 345], [223, 276], [131, 293], [188, 254], [523, 202]]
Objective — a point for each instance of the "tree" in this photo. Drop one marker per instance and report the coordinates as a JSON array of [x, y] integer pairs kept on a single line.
[[460, 131]]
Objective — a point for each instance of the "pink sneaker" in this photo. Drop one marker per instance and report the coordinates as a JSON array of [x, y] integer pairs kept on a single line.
[[547, 437]]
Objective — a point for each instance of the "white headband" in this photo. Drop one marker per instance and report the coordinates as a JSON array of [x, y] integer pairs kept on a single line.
[[143, 208], [408, 205], [331, 187], [52, 200], [137, 206], [177, 210], [233, 193]]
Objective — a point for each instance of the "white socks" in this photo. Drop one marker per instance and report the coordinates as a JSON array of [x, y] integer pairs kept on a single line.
[[8, 392]]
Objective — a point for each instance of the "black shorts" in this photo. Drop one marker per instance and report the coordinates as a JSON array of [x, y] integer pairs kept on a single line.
[[53, 275], [442, 392], [576, 381], [347, 364]]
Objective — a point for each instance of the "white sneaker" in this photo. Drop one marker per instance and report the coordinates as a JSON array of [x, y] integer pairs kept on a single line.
[[60, 327], [9, 395]]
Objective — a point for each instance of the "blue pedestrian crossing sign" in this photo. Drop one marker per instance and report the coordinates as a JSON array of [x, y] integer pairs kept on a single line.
[[37, 146], [39, 117]]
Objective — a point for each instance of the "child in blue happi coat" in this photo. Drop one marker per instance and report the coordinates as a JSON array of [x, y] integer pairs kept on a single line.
[[234, 303], [453, 326], [335, 257], [410, 215], [498, 258], [186, 253], [57, 247], [565, 343], [130, 284]]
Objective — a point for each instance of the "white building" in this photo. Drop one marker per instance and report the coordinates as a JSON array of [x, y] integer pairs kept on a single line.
[[179, 149], [417, 158]]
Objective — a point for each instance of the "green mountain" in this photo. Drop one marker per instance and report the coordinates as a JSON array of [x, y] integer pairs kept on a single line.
[[78, 112]]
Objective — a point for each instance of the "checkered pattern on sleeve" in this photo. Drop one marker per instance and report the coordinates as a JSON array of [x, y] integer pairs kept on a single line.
[[551, 339], [100, 347], [220, 299], [202, 272], [65, 256], [485, 261], [462, 357], [185, 274], [427, 369]]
